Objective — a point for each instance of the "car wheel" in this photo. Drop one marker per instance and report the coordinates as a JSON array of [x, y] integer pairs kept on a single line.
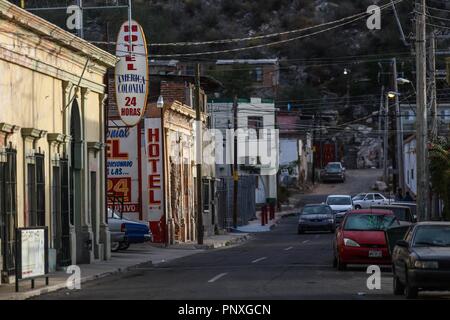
[[410, 291], [340, 266], [358, 207], [399, 288], [115, 246], [300, 231], [124, 245]]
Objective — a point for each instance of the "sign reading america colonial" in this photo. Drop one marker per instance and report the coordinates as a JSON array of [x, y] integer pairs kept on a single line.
[[131, 74]]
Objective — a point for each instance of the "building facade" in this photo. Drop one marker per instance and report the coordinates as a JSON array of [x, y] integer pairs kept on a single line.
[[258, 151], [158, 158], [52, 169]]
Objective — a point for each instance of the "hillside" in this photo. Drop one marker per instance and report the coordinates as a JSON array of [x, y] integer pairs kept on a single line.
[[311, 68]]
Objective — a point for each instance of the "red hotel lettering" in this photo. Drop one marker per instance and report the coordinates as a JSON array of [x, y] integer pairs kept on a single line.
[[154, 163], [130, 58], [153, 135], [154, 178], [113, 150], [154, 181]]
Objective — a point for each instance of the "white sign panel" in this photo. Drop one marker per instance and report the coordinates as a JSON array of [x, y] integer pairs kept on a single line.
[[131, 74], [32, 253], [123, 167], [154, 151]]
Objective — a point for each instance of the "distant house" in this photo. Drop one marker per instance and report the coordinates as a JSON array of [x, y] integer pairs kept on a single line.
[[295, 150], [408, 112], [265, 75], [257, 114]]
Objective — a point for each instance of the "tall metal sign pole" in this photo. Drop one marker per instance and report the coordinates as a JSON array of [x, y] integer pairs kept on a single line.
[[235, 165], [199, 156], [422, 126], [386, 140]]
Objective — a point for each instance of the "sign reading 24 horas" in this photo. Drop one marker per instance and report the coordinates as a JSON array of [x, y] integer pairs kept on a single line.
[[131, 74]]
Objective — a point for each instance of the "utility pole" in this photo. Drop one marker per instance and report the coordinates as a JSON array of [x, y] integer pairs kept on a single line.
[[313, 131], [434, 111], [235, 165], [386, 140], [399, 130], [320, 141], [421, 127], [380, 132], [199, 156]]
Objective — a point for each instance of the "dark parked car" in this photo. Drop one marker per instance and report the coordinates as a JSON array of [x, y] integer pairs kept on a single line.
[[333, 171], [316, 217], [411, 205], [403, 213], [135, 232], [421, 261]]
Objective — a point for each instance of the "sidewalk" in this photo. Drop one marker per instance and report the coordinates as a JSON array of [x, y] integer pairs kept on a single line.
[[255, 226], [123, 261]]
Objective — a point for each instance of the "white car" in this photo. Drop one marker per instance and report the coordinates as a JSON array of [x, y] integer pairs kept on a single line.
[[367, 200], [340, 204]]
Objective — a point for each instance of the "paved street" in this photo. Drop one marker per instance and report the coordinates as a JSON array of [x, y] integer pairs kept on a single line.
[[275, 265]]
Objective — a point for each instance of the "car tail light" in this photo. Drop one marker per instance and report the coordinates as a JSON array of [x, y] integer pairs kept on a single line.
[[123, 228]]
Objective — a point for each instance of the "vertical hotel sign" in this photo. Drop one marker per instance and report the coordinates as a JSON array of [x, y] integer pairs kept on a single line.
[[155, 176], [131, 74]]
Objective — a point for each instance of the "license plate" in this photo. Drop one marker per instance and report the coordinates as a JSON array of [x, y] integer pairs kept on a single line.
[[375, 254]]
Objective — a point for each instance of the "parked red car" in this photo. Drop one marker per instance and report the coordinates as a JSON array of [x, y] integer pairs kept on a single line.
[[361, 239]]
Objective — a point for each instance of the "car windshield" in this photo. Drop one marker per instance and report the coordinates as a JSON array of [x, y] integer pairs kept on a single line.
[[339, 201], [369, 222], [360, 196], [316, 210], [333, 167], [434, 236]]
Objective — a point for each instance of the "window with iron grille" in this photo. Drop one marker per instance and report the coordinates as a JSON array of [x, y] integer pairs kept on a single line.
[[31, 195], [36, 192], [40, 190], [56, 208], [205, 195], [63, 255]]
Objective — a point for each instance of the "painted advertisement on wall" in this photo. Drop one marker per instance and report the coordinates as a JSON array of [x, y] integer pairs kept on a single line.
[[154, 178], [123, 170]]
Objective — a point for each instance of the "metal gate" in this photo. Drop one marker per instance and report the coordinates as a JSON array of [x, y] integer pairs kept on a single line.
[[8, 213], [246, 201]]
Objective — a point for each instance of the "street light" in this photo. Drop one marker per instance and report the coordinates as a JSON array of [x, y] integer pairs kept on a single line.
[[403, 81], [160, 103], [389, 95]]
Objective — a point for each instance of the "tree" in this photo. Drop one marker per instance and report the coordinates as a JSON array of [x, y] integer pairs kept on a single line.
[[440, 172]]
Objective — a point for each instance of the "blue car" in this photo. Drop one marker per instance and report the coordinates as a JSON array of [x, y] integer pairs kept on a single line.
[[135, 232]]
